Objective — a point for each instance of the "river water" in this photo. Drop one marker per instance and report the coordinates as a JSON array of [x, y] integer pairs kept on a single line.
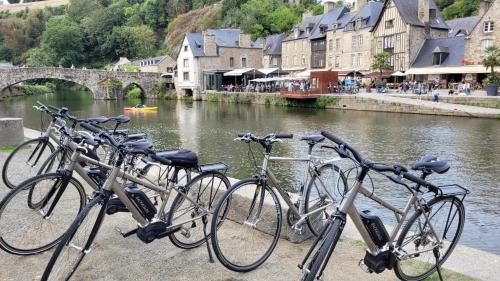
[[471, 145]]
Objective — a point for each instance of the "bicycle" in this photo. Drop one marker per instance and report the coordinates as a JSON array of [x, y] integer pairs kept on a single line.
[[189, 211], [43, 148], [257, 209], [431, 233]]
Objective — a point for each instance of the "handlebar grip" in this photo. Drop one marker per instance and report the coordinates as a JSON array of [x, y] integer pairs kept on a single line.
[[53, 108], [382, 168], [284, 136], [40, 104], [332, 137], [420, 181], [90, 128], [240, 135]]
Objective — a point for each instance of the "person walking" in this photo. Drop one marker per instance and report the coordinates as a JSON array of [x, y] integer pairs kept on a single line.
[[436, 94]]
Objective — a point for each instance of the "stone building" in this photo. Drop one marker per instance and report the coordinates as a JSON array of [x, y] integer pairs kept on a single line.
[[462, 26], [306, 46], [162, 64], [403, 27], [485, 33], [204, 57], [271, 51], [350, 41]]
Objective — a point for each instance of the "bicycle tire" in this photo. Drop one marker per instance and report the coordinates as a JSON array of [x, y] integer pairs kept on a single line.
[[461, 220], [212, 201], [48, 164], [220, 218], [322, 255], [44, 141], [342, 180], [67, 241], [26, 212]]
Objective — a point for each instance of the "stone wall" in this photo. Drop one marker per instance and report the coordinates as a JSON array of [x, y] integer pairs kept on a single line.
[[296, 54], [343, 55]]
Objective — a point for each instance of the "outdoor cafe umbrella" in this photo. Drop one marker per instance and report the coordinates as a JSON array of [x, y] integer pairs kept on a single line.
[[398, 73]]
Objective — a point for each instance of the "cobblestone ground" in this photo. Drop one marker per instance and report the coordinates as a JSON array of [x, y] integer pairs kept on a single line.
[[116, 258]]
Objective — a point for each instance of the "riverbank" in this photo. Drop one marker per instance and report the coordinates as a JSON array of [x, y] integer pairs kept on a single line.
[[368, 102], [27, 90]]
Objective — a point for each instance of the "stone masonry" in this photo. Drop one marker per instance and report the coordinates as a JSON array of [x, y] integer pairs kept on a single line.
[[473, 54], [85, 77]]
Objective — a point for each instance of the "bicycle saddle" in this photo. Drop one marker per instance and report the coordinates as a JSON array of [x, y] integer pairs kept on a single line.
[[313, 139], [430, 164], [182, 157], [141, 146]]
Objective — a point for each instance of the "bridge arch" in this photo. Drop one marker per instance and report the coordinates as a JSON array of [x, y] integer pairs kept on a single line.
[[4, 88], [126, 87]]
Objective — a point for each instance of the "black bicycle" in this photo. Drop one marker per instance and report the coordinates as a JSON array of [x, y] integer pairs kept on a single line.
[[426, 240]]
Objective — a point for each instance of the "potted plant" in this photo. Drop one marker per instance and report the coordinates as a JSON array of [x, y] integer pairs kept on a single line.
[[491, 60]]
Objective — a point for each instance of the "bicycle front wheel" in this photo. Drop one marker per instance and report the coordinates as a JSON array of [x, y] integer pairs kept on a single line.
[[200, 195], [246, 225], [77, 241], [323, 193], [35, 215], [25, 161], [418, 239]]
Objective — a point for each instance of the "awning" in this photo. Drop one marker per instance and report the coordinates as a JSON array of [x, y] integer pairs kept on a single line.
[[304, 74], [294, 68], [448, 70], [351, 73], [267, 71], [376, 74], [241, 71], [398, 73]]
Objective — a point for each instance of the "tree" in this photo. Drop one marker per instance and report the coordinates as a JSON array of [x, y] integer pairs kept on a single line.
[[381, 62], [134, 41], [154, 14], [461, 8], [491, 60], [79, 9], [13, 32], [63, 42]]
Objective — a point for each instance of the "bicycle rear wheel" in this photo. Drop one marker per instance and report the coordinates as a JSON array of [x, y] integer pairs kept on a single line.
[[322, 255], [246, 225], [204, 190], [31, 220], [25, 161], [417, 241], [77, 241], [323, 192]]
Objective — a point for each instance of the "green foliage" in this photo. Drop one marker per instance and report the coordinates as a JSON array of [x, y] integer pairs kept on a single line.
[[239, 98], [133, 92], [276, 101], [134, 41], [461, 8], [37, 89], [213, 97], [325, 101], [111, 83], [381, 62]]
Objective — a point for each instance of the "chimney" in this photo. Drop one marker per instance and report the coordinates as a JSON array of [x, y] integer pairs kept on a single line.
[[307, 14], [423, 10], [358, 5], [209, 45], [328, 5], [484, 5], [245, 40]]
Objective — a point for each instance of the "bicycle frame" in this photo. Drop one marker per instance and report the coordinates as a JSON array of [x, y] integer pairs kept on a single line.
[[347, 207], [313, 162]]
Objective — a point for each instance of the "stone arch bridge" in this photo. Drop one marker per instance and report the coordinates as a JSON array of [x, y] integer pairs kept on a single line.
[[88, 78]]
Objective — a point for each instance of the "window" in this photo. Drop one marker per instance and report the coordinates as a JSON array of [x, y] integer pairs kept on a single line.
[[330, 44], [485, 44], [379, 43], [186, 63], [360, 40], [185, 48], [353, 60], [337, 43], [185, 76], [337, 61], [389, 42], [243, 62], [432, 14], [275, 61], [489, 26], [439, 58], [354, 42], [303, 60], [389, 23], [231, 62]]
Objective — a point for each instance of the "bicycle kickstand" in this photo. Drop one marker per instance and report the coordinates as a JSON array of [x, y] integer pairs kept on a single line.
[[205, 222], [436, 255]]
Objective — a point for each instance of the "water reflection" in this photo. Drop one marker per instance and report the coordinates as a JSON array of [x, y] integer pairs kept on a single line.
[[471, 145]]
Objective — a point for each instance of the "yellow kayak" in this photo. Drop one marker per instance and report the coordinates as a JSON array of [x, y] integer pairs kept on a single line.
[[153, 108]]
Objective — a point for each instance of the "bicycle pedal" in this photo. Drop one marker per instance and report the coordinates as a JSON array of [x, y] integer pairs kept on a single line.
[[364, 267]]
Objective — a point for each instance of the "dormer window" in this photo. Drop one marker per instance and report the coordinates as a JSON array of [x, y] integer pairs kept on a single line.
[[297, 32], [322, 28], [432, 14], [334, 26], [489, 26], [439, 55], [359, 23]]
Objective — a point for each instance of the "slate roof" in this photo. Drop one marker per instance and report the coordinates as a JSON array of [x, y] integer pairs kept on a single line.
[[226, 37], [370, 13], [454, 45], [462, 26], [310, 22], [272, 44], [409, 11], [327, 20], [156, 60]]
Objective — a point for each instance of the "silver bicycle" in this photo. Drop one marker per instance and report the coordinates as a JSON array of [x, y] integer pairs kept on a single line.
[[254, 219]]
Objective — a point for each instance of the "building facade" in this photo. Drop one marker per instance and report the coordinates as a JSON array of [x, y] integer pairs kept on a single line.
[[204, 57], [403, 27], [271, 51], [486, 32]]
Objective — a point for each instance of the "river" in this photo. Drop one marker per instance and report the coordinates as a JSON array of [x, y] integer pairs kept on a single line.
[[471, 145]]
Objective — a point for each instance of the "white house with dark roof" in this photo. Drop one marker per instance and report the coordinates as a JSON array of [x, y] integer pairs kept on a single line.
[[204, 58]]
